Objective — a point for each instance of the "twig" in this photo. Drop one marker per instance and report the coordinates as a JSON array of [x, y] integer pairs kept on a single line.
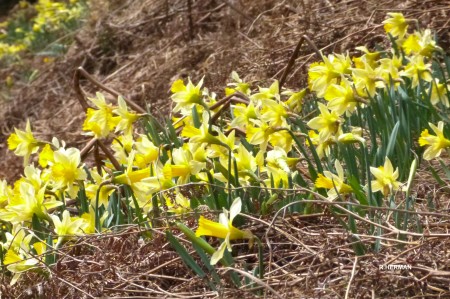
[[82, 98], [257, 280], [351, 277], [295, 55]]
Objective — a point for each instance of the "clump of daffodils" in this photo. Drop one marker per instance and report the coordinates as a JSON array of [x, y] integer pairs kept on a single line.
[[49, 16], [247, 139]]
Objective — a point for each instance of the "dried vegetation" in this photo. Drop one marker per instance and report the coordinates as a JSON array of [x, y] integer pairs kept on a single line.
[[139, 48]]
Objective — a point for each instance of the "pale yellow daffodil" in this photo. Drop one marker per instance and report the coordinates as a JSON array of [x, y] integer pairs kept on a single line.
[[223, 229], [23, 143], [435, 143], [385, 178]]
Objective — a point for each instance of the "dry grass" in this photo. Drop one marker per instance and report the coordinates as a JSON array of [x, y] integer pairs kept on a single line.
[[139, 48]]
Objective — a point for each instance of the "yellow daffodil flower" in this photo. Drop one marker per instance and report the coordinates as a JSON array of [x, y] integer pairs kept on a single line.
[[121, 146], [101, 121], [237, 85], [66, 170], [341, 98], [435, 143], [385, 178], [26, 203], [146, 152], [417, 68], [271, 93], [322, 146], [186, 95], [184, 165], [46, 156], [322, 74], [396, 24], [92, 189], [295, 100], [88, 226], [20, 261], [282, 138], [126, 118], [274, 113], [354, 136], [258, 133], [69, 226], [334, 183], [243, 114], [366, 80], [439, 93], [179, 205], [389, 69], [223, 229], [420, 43], [327, 123], [17, 239], [6, 193], [371, 58], [23, 143], [202, 135]]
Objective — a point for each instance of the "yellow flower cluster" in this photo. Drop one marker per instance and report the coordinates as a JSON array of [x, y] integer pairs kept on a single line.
[[246, 139], [50, 16]]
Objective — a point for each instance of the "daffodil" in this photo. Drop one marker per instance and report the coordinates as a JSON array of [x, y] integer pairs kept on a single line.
[[282, 138], [88, 226], [270, 93], [341, 98], [237, 85], [223, 229], [101, 121], [439, 93], [389, 69], [322, 74], [371, 58], [366, 80], [122, 146], [21, 260], [243, 114], [245, 162], [17, 239], [98, 190], [417, 68], [421, 43], [179, 205], [26, 203], [126, 118], [396, 24], [435, 143], [354, 136], [295, 100], [6, 193], [334, 183], [202, 134], [322, 146], [67, 171], [23, 143], [327, 123], [274, 113], [185, 96], [146, 152], [184, 165], [67, 227], [385, 178], [259, 134], [46, 156]]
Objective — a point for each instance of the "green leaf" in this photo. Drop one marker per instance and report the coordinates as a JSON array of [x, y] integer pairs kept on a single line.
[[184, 254], [392, 140]]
